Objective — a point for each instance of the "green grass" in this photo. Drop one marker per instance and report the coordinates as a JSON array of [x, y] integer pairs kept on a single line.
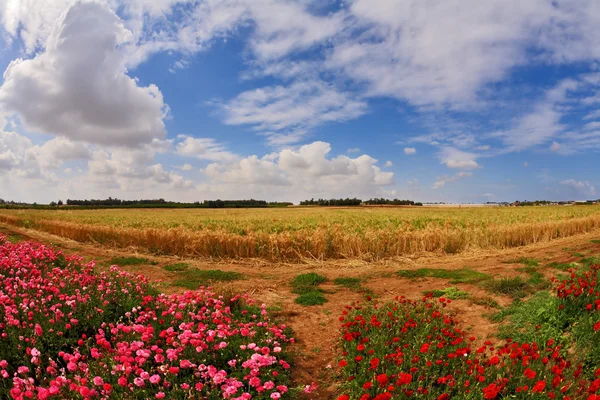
[[194, 278], [177, 267], [350, 283], [486, 301], [514, 287], [307, 286], [578, 255], [308, 282], [563, 266], [311, 299], [15, 238], [451, 293], [464, 275], [124, 261], [537, 319], [590, 261], [595, 241], [530, 262]]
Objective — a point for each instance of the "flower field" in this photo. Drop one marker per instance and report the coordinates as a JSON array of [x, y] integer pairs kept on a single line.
[[414, 349], [67, 332]]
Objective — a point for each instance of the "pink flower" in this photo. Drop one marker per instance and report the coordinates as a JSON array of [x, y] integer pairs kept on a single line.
[[160, 395], [139, 382], [154, 379], [275, 395], [98, 381]]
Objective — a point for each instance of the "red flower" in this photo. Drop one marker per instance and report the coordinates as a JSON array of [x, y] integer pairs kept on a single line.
[[424, 348], [382, 379], [344, 397], [494, 360], [491, 391], [342, 363], [443, 396], [367, 385], [404, 379], [596, 326], [539, 387], [529, 373]]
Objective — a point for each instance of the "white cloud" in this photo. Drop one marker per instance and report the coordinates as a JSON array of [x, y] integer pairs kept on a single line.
[[555, 147], [526, 164], [410, 151], [186, 167], [441, 181], [579, 187], [307, 171], [388, 164], [411, 49], [78, 88], [458, 159], [203, 149], [353, 150], [284, 112]]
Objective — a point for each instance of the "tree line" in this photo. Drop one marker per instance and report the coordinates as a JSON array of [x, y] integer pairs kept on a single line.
[[332, 202], [395, 202]]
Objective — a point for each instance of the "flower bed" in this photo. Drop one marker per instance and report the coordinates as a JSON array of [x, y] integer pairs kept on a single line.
[[68, 332], [413, 349]]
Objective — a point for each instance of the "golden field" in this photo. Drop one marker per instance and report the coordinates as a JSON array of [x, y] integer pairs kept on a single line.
[[295, 233]]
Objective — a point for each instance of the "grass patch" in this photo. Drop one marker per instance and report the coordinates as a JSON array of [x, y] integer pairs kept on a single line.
[[305, 283], [451, 293], [350, 283], [123, 261], [578, 255], [464, 275], [15, 238], [530, 262], [177, 267], [311, 299], [486, 301], [194, 278], [514, 287], [563, 266], [590, 261], [595, 241], [537, 319]]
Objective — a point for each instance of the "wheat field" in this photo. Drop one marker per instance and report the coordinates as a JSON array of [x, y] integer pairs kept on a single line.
[[297, 233]]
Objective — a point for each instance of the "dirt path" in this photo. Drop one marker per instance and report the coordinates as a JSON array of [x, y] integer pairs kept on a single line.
[[316, 327]]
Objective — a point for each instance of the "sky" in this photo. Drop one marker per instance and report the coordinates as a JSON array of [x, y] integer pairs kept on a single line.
[[430, 100]]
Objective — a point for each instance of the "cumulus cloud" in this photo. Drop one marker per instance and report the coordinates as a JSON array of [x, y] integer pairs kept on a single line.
[[580, 188], [307, 171], [78, 87], [441, 181], [132, 169], [410, 151], [353, 150], [458, 159], [388, 164]]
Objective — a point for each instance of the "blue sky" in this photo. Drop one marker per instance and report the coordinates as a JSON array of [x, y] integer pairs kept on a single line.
[[456, 101]]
